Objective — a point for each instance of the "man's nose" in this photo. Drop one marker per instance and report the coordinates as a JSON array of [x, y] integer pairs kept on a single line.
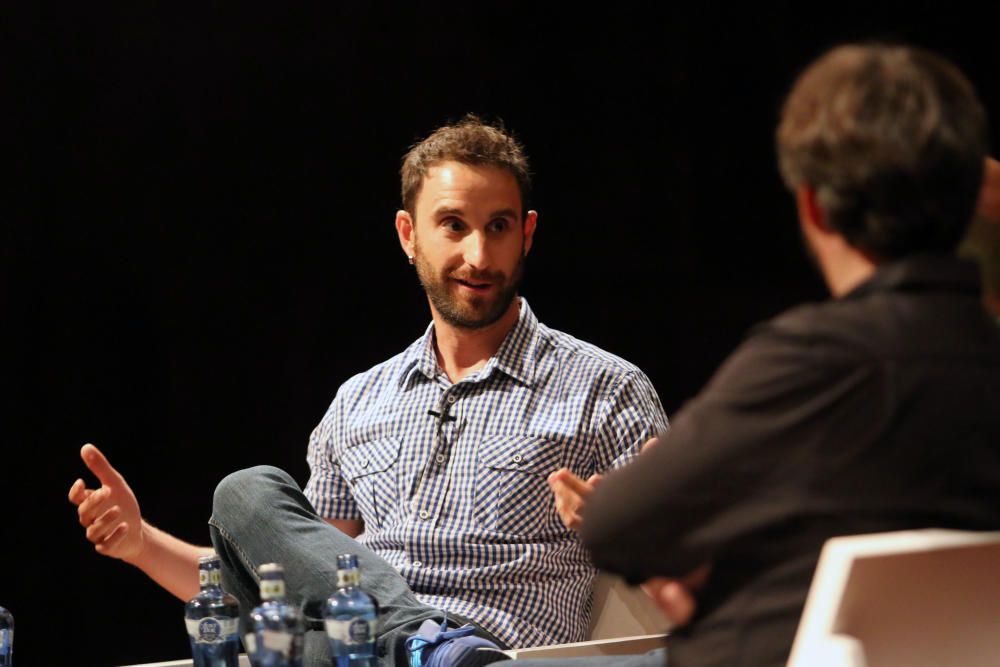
[[476, 252]]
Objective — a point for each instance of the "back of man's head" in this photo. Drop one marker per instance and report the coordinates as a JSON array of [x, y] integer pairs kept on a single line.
[[892, 141]]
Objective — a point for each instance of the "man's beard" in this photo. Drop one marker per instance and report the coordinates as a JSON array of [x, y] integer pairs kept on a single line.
[[474, 313]]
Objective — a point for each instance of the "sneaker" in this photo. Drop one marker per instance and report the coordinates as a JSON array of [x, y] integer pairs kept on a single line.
[[434, 645]]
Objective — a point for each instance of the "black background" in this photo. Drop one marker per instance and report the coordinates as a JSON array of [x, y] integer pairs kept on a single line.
[[198, 247]]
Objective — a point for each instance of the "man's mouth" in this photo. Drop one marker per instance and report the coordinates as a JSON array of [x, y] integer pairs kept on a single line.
[[477, 285]]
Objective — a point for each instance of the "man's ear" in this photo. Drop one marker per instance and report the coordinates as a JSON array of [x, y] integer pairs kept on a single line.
[[811, 216], [530, 222], [405, 231], [988, 205]]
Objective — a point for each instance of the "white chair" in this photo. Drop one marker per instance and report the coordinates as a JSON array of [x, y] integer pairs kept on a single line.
[[919, 598]]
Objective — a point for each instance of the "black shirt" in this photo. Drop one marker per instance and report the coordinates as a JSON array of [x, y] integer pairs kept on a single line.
[[877, 411]]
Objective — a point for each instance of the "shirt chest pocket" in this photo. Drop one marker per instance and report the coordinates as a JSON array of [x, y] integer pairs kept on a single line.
[[370, 468], [511, 493]]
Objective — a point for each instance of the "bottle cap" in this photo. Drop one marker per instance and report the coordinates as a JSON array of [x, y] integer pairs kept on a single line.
[[271, 569], [347, 562]]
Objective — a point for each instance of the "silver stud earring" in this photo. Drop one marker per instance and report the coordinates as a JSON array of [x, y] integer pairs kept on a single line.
[[410, 258]]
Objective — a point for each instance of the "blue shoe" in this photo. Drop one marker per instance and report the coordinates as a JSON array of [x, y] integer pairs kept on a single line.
[[436, 646]]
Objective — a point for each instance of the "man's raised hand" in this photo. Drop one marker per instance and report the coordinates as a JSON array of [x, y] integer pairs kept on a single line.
[[110, 514]]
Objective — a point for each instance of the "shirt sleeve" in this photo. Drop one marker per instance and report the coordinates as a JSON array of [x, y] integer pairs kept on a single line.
[[736, 460], [630, 415], [327, 489]]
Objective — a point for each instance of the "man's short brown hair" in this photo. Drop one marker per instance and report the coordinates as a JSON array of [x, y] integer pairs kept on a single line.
[[892, 139], [470, 141]]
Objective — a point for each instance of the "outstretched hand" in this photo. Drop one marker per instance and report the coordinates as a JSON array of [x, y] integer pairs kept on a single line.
[[110, 514], [571, 494]]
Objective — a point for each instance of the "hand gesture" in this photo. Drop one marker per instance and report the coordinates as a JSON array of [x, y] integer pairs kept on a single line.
[[571, 493], [110, 514], [676, 597]]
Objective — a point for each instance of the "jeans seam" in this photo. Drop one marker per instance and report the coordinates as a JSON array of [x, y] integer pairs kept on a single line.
[[227, 536]]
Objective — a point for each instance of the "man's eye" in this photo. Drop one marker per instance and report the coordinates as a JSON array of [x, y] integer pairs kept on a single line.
[[500, 225], [453, 225]]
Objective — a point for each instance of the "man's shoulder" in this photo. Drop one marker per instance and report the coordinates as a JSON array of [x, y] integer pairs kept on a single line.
[[383, 375], [574, 354], [832, 322]]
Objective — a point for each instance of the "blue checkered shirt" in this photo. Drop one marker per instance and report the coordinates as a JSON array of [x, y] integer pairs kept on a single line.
[[457, 501]]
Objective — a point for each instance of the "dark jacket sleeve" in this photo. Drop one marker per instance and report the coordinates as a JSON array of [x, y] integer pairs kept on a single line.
[[736, 459]]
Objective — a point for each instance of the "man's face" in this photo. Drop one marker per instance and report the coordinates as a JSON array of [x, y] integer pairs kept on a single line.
[[468, 241]]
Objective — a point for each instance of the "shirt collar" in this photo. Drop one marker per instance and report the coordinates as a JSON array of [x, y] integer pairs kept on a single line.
[[515, 357], [919, 273]]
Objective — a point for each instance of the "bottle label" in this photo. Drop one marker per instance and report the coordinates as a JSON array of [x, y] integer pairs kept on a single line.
[[271, 589], [355, 631], [347, 578], [6, 641], [274, 640], [211, 630]]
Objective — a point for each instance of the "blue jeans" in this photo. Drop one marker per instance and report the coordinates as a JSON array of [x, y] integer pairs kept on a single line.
[[260, 515]]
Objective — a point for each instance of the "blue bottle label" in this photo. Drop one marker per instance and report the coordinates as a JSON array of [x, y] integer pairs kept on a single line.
[[356, 631], [359, 631], [211, 630]]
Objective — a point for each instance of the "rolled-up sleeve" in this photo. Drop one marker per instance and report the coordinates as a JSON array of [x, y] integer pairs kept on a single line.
[[327, 489], [631, 414]]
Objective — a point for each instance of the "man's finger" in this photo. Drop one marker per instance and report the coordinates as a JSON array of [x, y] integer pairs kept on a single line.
[[571, 481], [99, 465], [112, 540], [78, 492], [679, 601], [566, 497], [105, 525], [94, 506], [672, 598]]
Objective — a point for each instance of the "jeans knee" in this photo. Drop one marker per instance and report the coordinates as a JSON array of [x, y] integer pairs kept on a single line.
[[241, 493]]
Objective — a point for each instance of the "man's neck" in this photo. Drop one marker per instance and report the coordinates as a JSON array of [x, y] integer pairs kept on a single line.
[[463, 351], [843, 266], [848, 275]]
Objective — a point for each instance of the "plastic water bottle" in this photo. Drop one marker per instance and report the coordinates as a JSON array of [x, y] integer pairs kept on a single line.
[[6, 638], [277, 628], [212, 619], [351, 618]]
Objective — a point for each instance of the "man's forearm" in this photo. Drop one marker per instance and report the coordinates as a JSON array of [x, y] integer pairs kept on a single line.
[[170, 562]]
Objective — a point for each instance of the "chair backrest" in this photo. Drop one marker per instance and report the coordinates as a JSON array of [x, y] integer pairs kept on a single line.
[[916, 598]]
